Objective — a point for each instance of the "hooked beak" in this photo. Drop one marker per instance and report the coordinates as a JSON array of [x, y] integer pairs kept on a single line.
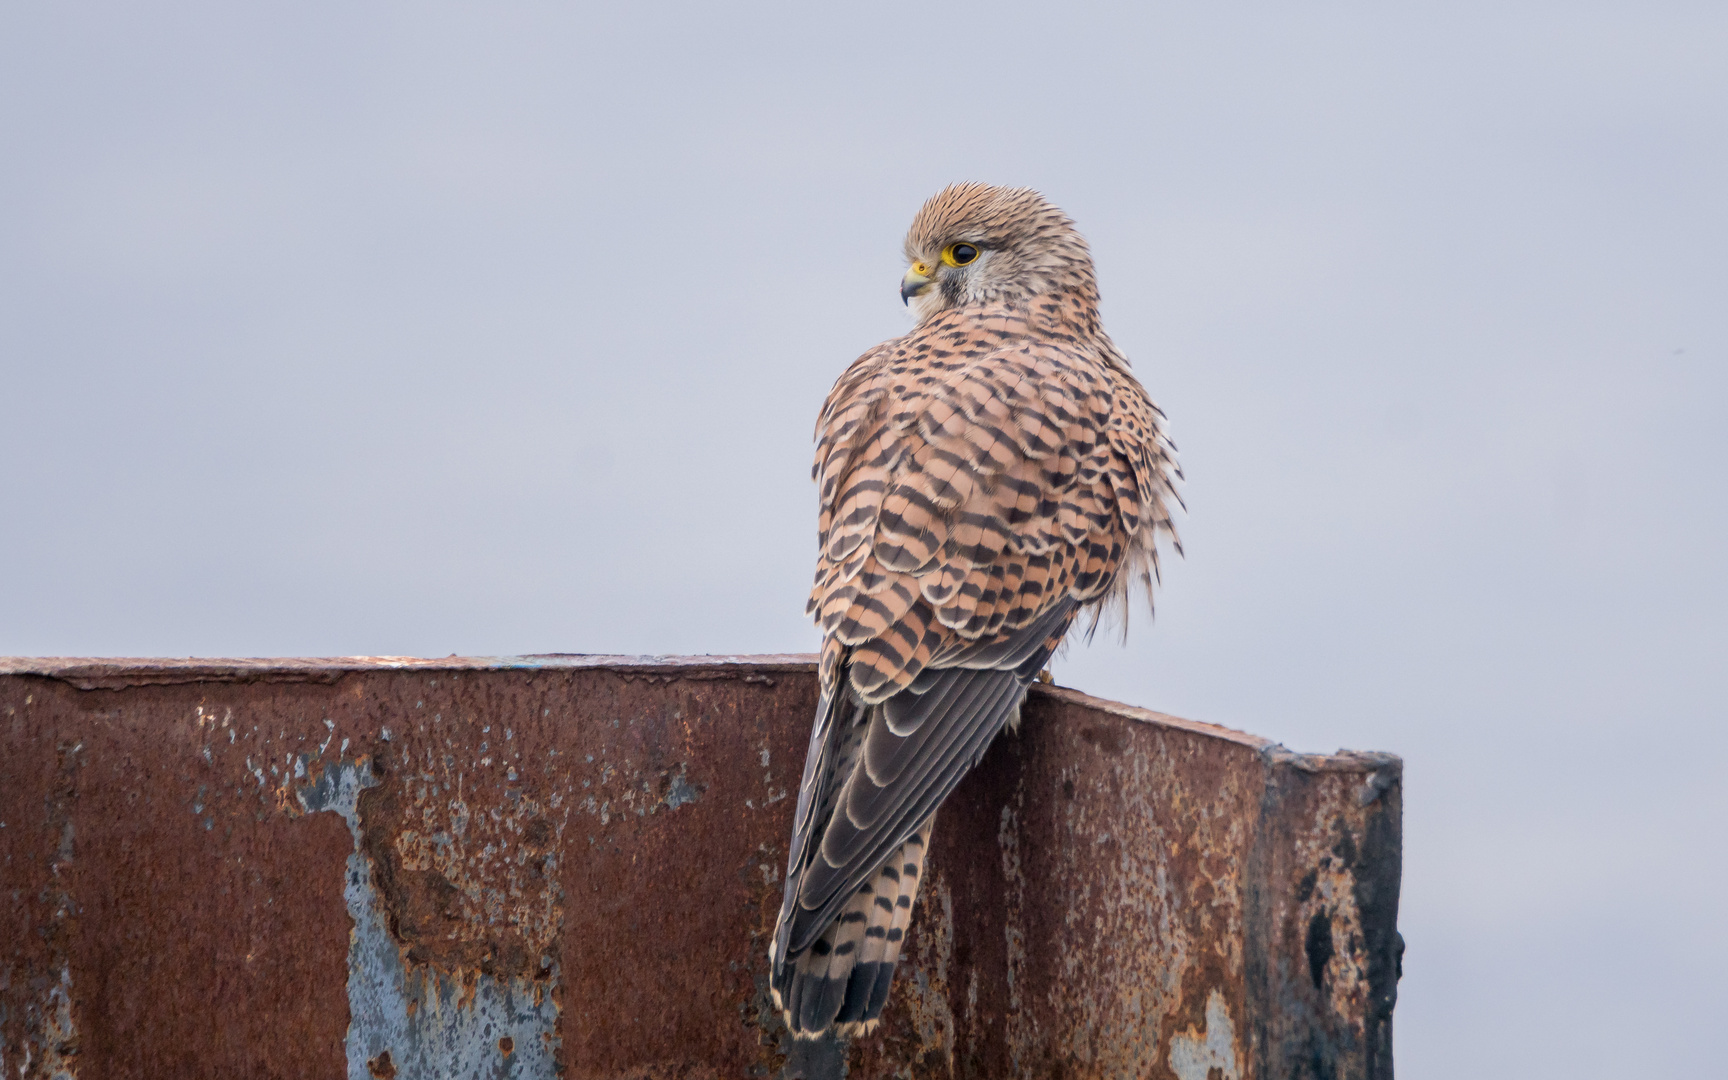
[[917, 280]]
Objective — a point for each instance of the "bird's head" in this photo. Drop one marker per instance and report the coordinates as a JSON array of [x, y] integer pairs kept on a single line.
[[977, 244]]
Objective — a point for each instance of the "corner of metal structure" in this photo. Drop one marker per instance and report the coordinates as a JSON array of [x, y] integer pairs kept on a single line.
[[1324, 952]]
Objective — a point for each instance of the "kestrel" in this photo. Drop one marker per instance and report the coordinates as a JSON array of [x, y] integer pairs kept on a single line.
[[983, 480]]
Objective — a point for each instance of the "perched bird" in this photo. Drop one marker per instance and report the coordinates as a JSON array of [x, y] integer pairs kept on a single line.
[[983, 480]]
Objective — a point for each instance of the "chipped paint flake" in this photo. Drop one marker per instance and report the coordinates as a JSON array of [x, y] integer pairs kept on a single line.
[[680, 792]]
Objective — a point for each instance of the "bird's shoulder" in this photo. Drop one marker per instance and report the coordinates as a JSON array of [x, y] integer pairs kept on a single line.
[[964, 356]]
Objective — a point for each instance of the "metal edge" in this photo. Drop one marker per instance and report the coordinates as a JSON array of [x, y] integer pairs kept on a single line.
[[1158, 719], [118, 673]]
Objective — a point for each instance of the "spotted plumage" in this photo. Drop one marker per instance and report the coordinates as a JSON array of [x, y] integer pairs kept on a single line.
[[983, 480]]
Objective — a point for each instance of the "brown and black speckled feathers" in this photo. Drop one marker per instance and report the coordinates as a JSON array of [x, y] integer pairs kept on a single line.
[[982, 480]]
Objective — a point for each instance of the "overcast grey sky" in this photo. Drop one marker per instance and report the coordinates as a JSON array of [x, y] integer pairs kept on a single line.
[[416, 329]]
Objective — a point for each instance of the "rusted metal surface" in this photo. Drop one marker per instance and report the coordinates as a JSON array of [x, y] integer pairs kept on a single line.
[[570, 866]]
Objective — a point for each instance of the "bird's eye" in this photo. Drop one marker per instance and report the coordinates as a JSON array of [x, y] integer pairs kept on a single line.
[[959, 254]]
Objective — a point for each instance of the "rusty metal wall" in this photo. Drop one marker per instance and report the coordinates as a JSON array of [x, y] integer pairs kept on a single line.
[[570, 866]]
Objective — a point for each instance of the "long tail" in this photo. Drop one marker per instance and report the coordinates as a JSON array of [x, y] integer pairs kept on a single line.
[[842, 979]]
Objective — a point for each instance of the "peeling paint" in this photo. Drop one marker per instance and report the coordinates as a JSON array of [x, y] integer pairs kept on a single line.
[[416, 1021], [52, 1017], [1209, 1054]]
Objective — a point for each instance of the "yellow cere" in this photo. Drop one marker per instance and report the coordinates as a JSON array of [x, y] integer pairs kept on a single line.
[[922, 269]]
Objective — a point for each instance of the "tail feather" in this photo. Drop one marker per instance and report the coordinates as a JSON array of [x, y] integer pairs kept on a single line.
[[842, 980], [911, 869]]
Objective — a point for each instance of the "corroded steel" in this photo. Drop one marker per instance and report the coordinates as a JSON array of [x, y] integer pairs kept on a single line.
[[541, 866]]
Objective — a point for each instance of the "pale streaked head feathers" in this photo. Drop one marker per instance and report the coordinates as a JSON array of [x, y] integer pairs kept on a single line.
[[1027, 247]]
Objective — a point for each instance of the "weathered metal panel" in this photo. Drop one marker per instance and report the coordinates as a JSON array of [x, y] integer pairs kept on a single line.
[[570, 866], [1323, 929]]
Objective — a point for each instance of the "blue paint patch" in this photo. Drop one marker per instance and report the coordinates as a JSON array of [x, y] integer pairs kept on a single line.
[[680, 792], [431, 1023]]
